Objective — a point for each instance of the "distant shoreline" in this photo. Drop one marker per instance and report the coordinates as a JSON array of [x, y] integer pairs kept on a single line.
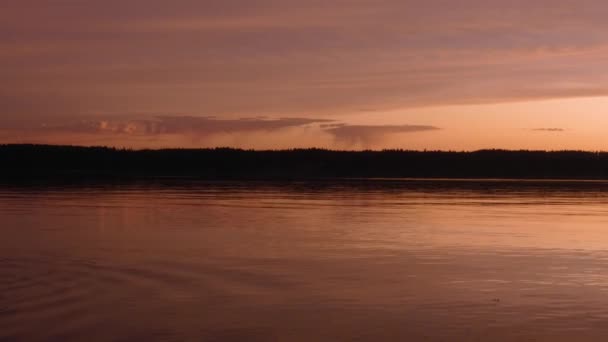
[[73, 162]]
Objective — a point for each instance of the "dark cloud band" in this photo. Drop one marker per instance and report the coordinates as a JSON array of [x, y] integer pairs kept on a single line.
[[177, 125]]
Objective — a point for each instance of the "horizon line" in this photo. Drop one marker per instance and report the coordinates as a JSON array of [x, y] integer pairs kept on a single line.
[[131, 149]]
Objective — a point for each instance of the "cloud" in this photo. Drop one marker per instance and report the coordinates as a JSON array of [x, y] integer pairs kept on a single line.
[[548, 129], [368, 135], [160, 131], [195, 131], [180, 125], [293, 57]]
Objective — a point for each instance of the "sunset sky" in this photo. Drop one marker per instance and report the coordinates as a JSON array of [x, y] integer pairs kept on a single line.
[[356, 74]]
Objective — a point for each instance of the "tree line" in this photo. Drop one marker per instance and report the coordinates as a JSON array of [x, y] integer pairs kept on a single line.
[[46, 161]]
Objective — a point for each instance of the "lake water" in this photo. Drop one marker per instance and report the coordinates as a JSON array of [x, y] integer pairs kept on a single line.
[[360, 260]]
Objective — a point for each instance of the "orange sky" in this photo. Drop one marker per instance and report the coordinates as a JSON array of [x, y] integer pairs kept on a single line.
[[434, 74]]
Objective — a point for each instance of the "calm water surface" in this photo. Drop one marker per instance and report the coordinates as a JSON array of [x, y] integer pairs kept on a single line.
[[366, 260]]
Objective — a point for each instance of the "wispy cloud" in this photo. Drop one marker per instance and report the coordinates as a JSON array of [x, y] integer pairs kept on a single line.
[[548, 129]]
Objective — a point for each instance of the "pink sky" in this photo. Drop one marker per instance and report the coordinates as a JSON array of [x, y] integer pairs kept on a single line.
[[434, 74]]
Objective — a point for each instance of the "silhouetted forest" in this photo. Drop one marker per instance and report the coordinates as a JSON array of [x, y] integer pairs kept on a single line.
[[47, 162]]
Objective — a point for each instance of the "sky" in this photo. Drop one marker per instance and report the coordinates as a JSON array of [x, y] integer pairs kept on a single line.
[[274, 74]]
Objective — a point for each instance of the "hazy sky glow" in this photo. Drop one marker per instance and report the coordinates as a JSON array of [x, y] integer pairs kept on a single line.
[[435, 74]]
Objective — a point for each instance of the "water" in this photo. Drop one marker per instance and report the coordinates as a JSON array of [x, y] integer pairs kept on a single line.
[[362, 260]]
